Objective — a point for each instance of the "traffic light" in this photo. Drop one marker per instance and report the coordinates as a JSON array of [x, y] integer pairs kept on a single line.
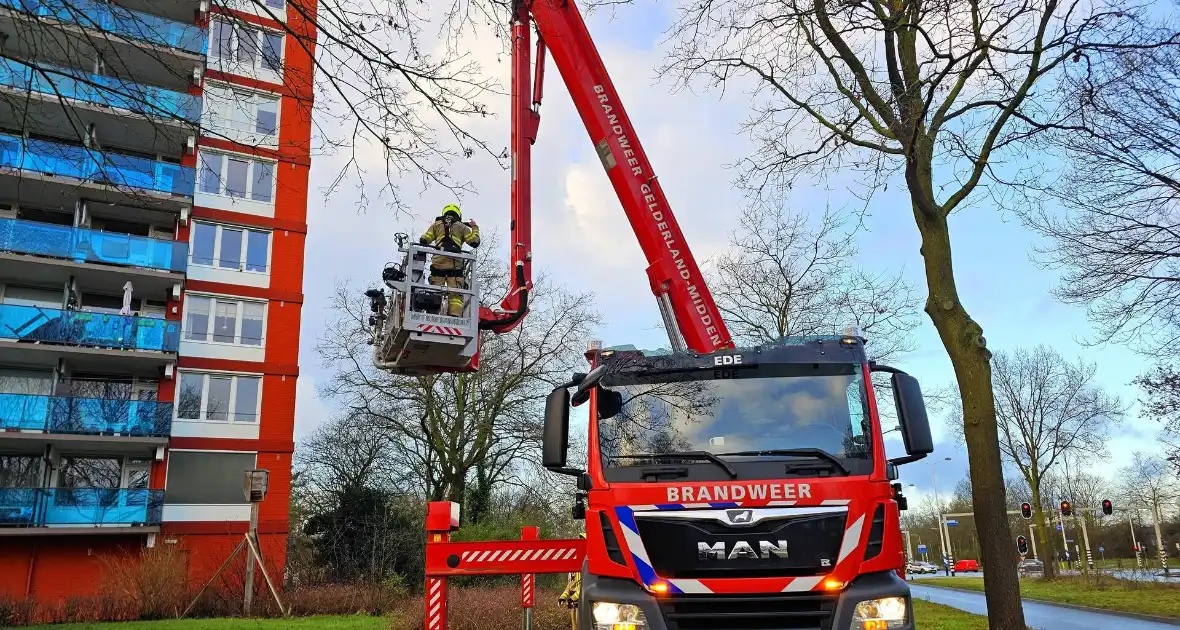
[[1107, 507], [1026, 510], [1022, 545], [1066, 509]]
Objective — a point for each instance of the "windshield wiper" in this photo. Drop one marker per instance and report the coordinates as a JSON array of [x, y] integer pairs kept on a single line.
[[706, 455], [817, 453]]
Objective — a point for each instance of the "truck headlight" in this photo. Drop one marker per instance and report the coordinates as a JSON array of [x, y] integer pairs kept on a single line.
[[612, 616], [886, 613]]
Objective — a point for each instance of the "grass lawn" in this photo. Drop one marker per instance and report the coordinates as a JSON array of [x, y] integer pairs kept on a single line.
[[937, 617], [354, 622], [930, 617], [1107, 593]]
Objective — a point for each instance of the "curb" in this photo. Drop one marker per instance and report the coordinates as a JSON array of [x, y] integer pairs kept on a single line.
[[1171, 621]]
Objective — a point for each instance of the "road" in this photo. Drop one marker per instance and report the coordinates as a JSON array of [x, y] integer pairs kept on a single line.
[[1037, 615]]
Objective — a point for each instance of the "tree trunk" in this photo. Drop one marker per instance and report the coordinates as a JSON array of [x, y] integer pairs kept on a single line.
[[1044, 537], [964, 343]]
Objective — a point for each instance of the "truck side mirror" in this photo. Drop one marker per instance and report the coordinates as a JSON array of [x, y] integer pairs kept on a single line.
[[911, 414], [555, 436]]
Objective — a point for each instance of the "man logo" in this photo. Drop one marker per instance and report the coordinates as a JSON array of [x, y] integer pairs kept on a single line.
[[740, 516]]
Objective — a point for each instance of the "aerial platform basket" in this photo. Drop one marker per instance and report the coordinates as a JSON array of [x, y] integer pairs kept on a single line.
[[410, 337]]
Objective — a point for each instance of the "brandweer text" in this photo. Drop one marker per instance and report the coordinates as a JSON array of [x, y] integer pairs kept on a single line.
[[753, 492], [657, 214]]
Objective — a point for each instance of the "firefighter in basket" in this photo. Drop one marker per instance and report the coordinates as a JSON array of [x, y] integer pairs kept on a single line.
[[449, 233], [571, 594]]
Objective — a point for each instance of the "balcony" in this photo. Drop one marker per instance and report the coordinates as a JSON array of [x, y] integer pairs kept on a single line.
[[46, 98], [92, 246], [81, 416], [94, 330], [80, 510], [73, 33], [50, 174], [116, 20], [39, 337]]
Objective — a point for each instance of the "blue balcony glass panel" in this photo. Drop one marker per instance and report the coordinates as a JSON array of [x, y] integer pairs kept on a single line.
[[80, 328], [69, 160], [63, 241], [18, 506], [93, 88], [80, 507], [66, 414], [103, 506], [103, 16]]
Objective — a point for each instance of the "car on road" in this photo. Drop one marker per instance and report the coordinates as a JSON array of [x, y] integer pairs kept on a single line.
[[967, 566], [1031, 567], [921, 567]]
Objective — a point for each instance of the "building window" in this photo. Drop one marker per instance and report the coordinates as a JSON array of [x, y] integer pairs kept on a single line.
[[218, 398], [229, 247], [236, 44], [232, 112], [224, 320], [203, 478], [237, 176]]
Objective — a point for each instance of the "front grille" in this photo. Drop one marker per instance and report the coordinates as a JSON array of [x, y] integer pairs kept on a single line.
[[674, 546], [804, 611]]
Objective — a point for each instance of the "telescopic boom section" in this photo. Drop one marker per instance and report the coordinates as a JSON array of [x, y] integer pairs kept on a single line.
[[672, 271]]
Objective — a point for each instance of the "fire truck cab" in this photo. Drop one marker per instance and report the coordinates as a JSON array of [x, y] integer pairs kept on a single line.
[[744, 488]]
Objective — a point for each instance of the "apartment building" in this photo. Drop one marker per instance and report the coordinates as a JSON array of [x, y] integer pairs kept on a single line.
[[154, 160]]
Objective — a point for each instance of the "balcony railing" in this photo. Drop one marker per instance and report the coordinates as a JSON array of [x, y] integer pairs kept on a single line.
[[93, 88], [68, 160], [80, 507], [111, 18], [81, 328], [102, 416], [81, 245]]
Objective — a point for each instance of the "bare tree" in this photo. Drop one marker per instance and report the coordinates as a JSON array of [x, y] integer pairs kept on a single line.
[[445, 426], [783, 277], [1150, 483], [1049, 409], [349, 451], [1160, 402], [1118, 238], [386, 79], [937, 93]]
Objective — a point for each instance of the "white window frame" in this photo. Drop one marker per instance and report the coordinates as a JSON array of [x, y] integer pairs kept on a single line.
[[223, 172], [222, 100], [232, 62], [231, 413], [216, 263], [240, 309]]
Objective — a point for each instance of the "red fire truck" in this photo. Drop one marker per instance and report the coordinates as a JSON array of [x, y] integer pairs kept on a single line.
[[725, 488]]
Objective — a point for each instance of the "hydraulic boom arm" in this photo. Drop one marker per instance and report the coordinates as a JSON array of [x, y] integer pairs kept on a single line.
[[690, 315]]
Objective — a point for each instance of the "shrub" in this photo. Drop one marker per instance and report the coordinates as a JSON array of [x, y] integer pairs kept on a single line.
[[484, 608], [152, 582], [16, 612]]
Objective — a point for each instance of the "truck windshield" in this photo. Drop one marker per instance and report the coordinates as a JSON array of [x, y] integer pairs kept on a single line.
[[749, 410]]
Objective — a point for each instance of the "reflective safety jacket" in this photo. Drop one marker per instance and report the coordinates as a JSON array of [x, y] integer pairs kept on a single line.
[[449, 239], [573, 590]]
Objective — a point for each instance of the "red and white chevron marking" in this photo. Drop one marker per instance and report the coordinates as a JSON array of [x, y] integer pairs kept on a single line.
[[526, 590], [519, 555], [440, 330], [436, 603]]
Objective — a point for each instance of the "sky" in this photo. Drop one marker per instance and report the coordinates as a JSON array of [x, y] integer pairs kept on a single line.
[[582, 239]]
